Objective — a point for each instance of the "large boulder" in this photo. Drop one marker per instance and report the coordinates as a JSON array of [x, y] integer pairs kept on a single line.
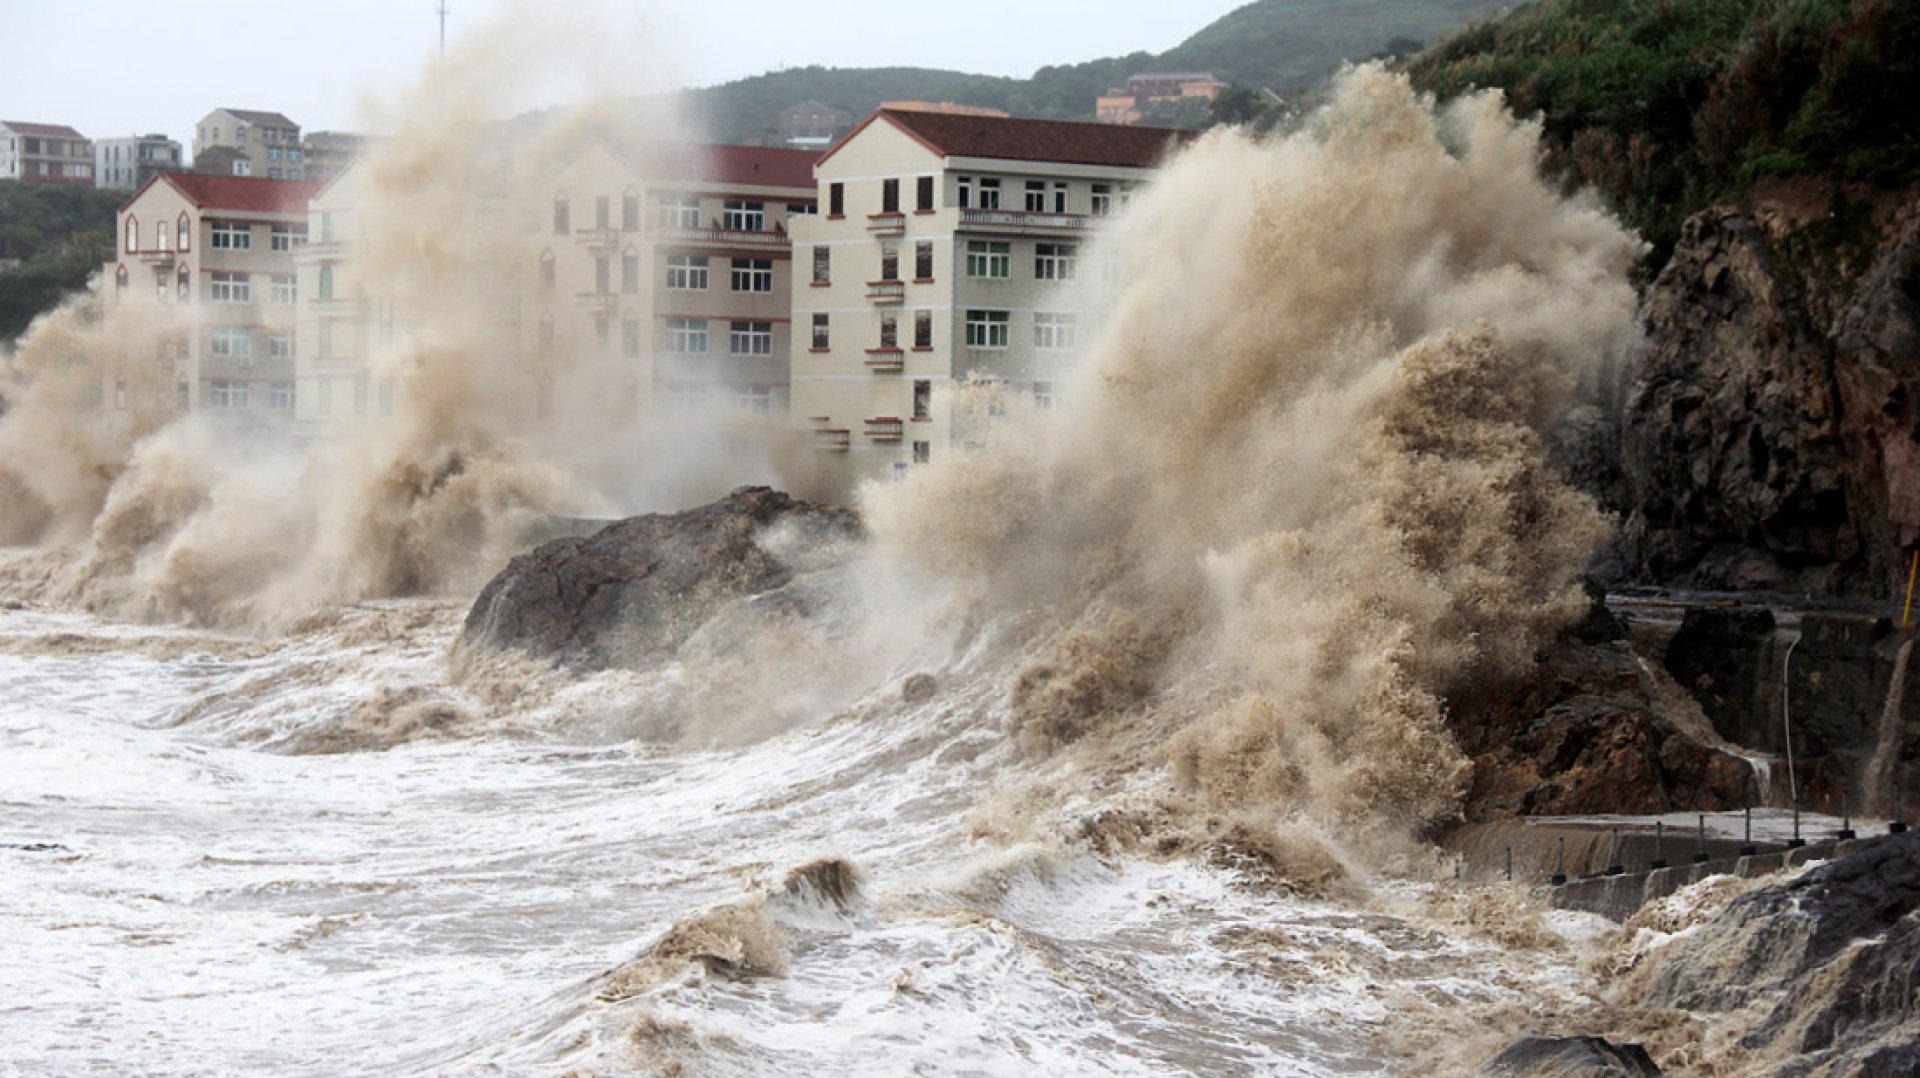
[[1572, 1057], [634, 591]]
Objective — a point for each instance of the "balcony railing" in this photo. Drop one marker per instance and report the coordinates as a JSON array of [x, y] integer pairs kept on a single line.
[[832, 439], [596, 301], [1020, 219], [598, 237], [160, 255], [886, 360], [887, 291], [887, 224], [738, 237], [885, 428]]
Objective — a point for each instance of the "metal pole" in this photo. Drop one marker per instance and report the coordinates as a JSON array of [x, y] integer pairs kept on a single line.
[[1746, 847], [1509, 864], [1796, 841], [443, 28], [1560, 863], [1659, 844], [1846, 820], [1700, 842]]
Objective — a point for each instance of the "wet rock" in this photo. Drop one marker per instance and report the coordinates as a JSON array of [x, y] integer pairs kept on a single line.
[[1832, 957], [1571, 1057], [635, 590], [919, 688]]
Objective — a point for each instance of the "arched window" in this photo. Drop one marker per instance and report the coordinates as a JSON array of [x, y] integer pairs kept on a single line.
[[630, 210], [120, 279], [133, 234], [630, 270], [560, 219], [184, 230], [546, 329], [326, 281], [162, 236], [546, 270], [184, 283]]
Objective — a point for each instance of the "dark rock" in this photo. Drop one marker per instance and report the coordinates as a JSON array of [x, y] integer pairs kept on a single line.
[[919, 688], [1571, 1057], [1833, 955], [635, 590]]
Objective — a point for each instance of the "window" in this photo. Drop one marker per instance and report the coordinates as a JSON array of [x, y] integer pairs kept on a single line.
[[822, 265], [987, 329], [280, 397], [753, 400], [230, 288], [679, 211], [603, 275], [1054, 261], [326, 281], [324, 349], [183, 231], [753, 275], [630, 272], [228, 395], [751, 339], [820, 332], [273, 154], [1054, 332], [133, 235], [326, 226], [546, 270], [162, 236], [923, 260], [986, 258], [1102, 199], [889, 262], [284, 288], [743, 216], [183, 283], [989, 193], [288, 237], [889, 331], [630, 211], [966, 191], [280, 346], [228, 236], [1043, 396], [630, 336], [600, 330], [889, 196], [561, 222], [687, 273], [120, 281], [602, 212], [1036, 196], [923, 329], [687, 335], [923, 193], [922, 452], [1060, 196], [923, 399], [837, 199], [233, 342]]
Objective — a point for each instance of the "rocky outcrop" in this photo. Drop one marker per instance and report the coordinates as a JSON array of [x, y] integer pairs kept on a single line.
[[1572, 1057], [1769, 427], [632, 592], [1830, 962]]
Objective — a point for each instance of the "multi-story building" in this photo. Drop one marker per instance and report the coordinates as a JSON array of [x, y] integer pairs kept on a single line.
[[940, 256], [224, 246], [264, 145], [326, 154], [126, 164], [811, 125], [674, 270], [44, 153], [1185, 92]]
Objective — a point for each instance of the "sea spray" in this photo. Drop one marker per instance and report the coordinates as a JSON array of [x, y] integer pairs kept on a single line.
[[1298, 493]]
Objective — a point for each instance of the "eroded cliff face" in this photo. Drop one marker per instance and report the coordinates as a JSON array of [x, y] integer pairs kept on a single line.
[[1766, 426]]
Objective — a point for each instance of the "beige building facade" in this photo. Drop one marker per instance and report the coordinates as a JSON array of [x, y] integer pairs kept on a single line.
[[944, 251], [221, 248], [44, 153], [245, 142]]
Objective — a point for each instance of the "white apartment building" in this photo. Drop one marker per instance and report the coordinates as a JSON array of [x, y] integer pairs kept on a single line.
[[44, 153], [126, 164], [244, 142], [224, 246], [941, 255]]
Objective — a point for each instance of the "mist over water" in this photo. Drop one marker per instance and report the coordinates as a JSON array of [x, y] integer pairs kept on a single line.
[[1189, 638]]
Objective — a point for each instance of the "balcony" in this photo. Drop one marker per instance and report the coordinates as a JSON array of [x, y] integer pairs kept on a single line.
[[888, 293], [885, 428], [162, 256], [886, 360], [887, 224], [596, 302], [1021, 221], [597, 237], [832, 439], [724, 237]]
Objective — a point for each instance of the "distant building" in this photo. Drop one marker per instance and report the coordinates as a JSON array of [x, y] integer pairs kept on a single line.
[[44, 153], [1117, 107], [225, 246], [939, 255], [328, 153], [127, 164], [265, 145], [1129, 104], [812, 125], [946, 108]]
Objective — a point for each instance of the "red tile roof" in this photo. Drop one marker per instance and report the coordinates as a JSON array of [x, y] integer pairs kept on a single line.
[[763, 166], [1012, 139], [43, 130], [247, 193]]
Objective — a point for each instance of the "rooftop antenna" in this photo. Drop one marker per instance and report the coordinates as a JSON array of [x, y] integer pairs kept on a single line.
[[443, 28]]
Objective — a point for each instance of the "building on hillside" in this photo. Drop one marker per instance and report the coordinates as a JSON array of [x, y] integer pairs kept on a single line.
[[673, 274], [264, 145], [224, 246], [127, 164], [326, 154], [811, 125], [44, 153], [1130, 104], [939, 256]]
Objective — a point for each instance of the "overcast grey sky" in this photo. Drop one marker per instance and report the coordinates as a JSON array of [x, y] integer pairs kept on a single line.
[[120, 67]]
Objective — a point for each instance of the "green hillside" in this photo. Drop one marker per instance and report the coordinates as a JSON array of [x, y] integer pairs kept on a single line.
[[1283, 45], [52, 238]]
